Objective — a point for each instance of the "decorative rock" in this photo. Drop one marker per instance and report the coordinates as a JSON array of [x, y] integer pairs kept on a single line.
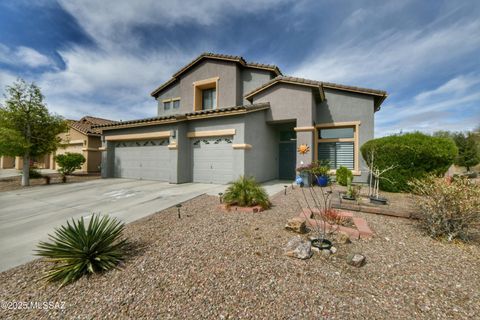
[[333, 250], [343, 238], [297, 225], [326, 252], [298, 248], [356, 259], [315, 249]]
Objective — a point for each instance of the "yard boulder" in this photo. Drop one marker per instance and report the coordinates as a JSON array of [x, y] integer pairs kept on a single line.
[[297, 225], [356, 259], [299, 248]]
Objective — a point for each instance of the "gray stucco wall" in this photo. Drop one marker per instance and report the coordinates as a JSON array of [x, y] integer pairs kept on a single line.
[[252, 79], [343, 106], [261, 161], [227, 83]]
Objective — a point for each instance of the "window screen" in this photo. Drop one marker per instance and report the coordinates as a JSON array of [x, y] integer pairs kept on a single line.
[[338, 153], [176, 104]]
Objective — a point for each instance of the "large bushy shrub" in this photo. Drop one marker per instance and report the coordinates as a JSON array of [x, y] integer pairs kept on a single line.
[[246, 192], [69, 162], [448, 209], [414, 156], [343, 174], [80, 249]]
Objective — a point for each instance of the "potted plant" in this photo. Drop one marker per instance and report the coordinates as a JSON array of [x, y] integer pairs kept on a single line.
[[304, 177], [320, 170], [353, 191]]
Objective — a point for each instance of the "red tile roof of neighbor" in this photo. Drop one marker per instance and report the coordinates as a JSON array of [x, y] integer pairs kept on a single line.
[[86, 124]]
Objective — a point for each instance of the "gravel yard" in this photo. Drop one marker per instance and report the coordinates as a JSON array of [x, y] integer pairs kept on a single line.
[[14, 183], [211, 264]]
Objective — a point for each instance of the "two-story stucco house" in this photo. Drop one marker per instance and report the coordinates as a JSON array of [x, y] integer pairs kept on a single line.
[[220, 117]]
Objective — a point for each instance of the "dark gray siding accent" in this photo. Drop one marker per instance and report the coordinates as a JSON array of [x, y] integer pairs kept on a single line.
[[262, 159]]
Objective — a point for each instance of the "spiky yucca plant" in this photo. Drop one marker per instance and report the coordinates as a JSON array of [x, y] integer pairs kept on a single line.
[[246, 192], [79, 250]]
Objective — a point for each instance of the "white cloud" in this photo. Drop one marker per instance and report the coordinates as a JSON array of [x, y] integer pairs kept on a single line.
[[23, 56], [453, 105], [392, 57]]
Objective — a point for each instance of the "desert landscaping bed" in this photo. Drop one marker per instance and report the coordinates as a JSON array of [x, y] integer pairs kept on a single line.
[[8, 184], [212, 264]]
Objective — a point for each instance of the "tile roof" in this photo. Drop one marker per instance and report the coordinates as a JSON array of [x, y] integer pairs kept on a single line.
[[380, 94], [187, 116], [87, 123], [225, 57]]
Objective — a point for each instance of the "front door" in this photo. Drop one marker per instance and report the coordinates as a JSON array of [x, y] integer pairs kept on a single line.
[[287, 159]]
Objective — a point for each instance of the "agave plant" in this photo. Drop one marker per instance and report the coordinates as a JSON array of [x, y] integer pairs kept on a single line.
[[246, 192], [79, 249]]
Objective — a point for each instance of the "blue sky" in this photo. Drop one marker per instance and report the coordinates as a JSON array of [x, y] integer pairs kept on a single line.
[[103, 58]]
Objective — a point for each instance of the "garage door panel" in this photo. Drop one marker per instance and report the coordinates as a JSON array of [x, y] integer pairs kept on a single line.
[[212, 160], [142, 160]]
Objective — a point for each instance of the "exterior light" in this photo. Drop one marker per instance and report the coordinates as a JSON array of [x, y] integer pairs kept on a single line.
[[285, 189], [178, 209], [220, 194]]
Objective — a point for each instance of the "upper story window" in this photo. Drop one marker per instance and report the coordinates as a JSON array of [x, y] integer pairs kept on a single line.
[[209, 99], [171, 104], [205, 94], [167, 105]]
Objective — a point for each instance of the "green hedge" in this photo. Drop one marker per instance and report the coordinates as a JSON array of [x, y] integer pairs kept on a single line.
[[414, 154]]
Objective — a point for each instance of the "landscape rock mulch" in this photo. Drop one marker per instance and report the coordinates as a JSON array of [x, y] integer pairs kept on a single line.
[[216, 265], [14, 183]]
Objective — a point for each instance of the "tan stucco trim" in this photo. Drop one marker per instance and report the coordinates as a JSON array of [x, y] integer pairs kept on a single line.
[[200, 85], [138, 136], [173, 146], [90, 149], [338, 124], [102, 149], [211, 133], [303, 129], [244, 146], [74, 142], [171, 99], [338, 139]]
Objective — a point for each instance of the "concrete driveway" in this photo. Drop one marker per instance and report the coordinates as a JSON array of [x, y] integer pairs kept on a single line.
[[29, 215]]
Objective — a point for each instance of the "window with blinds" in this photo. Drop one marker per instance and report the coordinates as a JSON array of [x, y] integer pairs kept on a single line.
[[338, 153]]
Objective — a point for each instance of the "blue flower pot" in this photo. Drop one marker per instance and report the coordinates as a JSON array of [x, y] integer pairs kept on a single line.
[[322, 181]]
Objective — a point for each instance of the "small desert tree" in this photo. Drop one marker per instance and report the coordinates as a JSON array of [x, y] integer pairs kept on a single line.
[[468, 149], [26, 127]]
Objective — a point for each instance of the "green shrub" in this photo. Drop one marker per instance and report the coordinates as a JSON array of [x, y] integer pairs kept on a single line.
[[414, 155], [79, 250], [343, 174], [69, 162], [448, 209], [34, 173], [246, 192]]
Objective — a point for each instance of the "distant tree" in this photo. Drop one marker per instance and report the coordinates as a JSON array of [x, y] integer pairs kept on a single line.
[[26, 127], [468, 149], [443, 134]]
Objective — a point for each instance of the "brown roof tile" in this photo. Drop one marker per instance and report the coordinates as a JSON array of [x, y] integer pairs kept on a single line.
[[86, 124], [187, 116]]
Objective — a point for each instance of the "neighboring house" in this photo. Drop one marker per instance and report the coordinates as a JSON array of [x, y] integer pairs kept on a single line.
[[220, 117], [80, 138]]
